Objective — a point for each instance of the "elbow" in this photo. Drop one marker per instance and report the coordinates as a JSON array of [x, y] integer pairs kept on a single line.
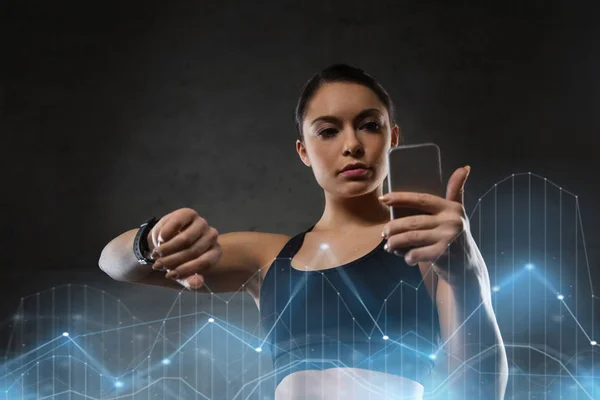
[[105, 263], [502, 366], [103, 267]]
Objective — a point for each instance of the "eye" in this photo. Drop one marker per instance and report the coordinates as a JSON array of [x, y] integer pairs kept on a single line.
[[327, 132], [372, 126]]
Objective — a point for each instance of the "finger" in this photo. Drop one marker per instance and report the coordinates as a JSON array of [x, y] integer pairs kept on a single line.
[[421, 201], [184, 239], [174, 224], [456, 185], [202, 244], [424, 254], [154, 233], [158, 265], [193, 282], [197, 265], [412, 239], [411, 223]]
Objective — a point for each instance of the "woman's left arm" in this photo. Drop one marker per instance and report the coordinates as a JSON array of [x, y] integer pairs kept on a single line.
[[441, 239], [475, 354]]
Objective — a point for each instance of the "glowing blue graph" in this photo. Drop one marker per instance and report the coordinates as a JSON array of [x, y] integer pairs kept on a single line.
[[78, 342]]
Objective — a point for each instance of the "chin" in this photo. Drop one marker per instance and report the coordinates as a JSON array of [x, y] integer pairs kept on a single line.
[[357, 190]]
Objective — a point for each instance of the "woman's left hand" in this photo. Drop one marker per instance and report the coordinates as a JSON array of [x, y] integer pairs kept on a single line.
[[444, 231]]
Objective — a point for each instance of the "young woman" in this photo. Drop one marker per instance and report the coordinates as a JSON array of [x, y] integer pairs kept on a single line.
[[345, 315]]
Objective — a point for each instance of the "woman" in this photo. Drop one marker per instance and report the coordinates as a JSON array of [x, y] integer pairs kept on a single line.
[[342, 311]]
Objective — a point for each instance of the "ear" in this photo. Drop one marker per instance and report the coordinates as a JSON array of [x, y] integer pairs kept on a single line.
[[301, 149], [396, 139]]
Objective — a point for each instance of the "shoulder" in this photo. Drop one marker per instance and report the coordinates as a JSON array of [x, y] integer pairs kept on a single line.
[[272, 244], [260, 248], [260, 245], [255, 250]]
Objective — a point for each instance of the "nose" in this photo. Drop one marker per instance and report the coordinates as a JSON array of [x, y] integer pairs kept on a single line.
[[352, 146]]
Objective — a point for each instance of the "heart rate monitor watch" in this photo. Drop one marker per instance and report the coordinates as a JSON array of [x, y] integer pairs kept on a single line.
[[140, 243]]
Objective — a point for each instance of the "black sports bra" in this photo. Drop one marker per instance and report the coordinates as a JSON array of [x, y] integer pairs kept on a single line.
[[373, 313]]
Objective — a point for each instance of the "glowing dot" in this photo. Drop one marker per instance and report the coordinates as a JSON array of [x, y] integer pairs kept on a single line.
[[211, 320], [385, 337], [118, 384], [324, 246], [65, 334], [258, 349], [593, 343], [166, 361], [432, 356], [496, 288], [529, 266], [560, 297]]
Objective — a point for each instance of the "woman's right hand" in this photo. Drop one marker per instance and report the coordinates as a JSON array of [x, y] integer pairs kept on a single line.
[[183, 244]]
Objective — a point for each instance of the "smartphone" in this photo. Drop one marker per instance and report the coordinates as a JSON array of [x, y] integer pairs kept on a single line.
[[414, 168]]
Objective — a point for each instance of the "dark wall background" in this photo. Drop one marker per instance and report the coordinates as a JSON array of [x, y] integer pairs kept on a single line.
[[115, 111]]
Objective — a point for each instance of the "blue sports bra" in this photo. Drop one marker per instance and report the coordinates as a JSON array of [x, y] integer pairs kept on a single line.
[[372, 313]]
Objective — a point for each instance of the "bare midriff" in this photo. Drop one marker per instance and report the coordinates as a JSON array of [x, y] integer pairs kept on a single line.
[[347, 384]]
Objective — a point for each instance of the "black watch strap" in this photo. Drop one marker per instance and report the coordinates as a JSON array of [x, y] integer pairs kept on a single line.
[[140, 244]]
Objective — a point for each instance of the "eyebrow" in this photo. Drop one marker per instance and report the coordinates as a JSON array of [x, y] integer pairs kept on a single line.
[[362, 114]]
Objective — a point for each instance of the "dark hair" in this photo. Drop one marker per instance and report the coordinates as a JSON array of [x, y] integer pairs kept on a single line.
[[340, 73]]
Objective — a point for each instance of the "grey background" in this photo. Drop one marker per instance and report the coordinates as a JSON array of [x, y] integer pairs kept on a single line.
[[115, 111]]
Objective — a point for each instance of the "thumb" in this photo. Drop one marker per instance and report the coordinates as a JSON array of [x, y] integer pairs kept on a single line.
[[456, 184], [193, 282]]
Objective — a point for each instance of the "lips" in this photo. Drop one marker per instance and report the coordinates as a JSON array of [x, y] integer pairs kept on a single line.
[[354, 166], [355, 172]]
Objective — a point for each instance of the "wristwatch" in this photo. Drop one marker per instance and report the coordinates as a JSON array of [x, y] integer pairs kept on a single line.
[[140, 243]]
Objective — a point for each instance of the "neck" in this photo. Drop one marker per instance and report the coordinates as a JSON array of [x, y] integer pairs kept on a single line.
[[343, 213]]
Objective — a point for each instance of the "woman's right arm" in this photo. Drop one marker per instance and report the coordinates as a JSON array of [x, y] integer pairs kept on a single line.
[[223, 262]]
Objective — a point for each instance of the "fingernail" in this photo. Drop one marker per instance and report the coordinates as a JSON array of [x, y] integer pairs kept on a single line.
[[185, 284], [382, 198], [384, 234], [385, 247], [157, 265], [171, 275], [468, 168]]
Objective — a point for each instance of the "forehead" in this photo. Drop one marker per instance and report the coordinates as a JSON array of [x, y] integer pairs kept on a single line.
[[342, 99]]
